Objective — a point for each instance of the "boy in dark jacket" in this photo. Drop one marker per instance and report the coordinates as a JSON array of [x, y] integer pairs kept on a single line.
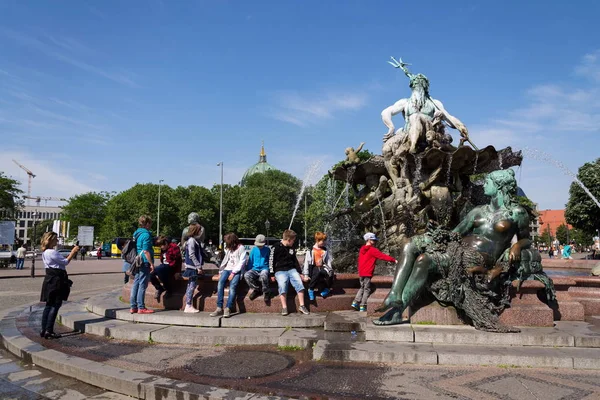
[[367, 257], [284, 264]]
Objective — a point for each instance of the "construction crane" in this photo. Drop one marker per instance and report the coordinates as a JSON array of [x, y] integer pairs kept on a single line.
[[38, 199], [30, 175]]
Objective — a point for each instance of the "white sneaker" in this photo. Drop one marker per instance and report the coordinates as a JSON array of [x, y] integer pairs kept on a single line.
[[190, 309]]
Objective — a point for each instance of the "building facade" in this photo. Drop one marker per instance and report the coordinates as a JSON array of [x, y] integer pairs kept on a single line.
[[27, 217], [260, 167], [550, 220]]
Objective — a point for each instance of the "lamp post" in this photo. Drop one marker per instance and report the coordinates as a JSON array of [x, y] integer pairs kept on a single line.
[[35, 215], [267, 225], [160, 181], [221, 208]]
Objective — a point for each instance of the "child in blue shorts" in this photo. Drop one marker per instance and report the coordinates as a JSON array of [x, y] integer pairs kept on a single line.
[[284, 264]]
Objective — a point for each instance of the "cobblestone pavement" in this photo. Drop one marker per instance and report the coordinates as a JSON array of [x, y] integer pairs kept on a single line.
[[21, 381], [268, 370], [21, 291]]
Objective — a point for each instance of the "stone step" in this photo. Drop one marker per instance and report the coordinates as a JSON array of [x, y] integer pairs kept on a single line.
[[346, 321], [590, 305], [541, 337], [422, 353], [76, 317], [584, 292], [528, 315], [332, 303], [377, 352], [222, 336], [108, 306]]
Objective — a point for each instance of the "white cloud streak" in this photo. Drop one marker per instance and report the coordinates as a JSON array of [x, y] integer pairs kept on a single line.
[[56, 48], [303, 110], [50, 180]]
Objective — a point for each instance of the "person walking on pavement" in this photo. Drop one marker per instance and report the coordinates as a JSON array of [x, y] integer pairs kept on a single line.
[[82, 253], [21, 257]]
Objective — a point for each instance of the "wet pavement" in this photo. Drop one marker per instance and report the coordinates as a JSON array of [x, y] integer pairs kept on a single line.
[[293, 373], [22, 381]]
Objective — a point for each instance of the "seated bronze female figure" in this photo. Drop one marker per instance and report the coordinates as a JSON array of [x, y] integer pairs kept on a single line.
[[487, 229]]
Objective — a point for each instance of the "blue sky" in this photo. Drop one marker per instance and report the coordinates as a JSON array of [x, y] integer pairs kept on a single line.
[[99, 95]]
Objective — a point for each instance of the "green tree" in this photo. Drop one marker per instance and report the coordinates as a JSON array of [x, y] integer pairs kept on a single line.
[[561, 234], [271, 195], [581, 211], [41, 228], [201, 200], [88, 209], [9, 196], [546, 237], [124, 209], [580, 237]]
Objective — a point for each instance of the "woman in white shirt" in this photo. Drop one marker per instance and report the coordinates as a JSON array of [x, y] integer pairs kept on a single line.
[[56, 286], [231, 269]]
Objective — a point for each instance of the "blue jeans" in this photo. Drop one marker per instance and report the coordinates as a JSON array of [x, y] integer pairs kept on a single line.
[[138, 289], [49, 315], [162, 272], [292, 276], [232, 287], [20, 263]]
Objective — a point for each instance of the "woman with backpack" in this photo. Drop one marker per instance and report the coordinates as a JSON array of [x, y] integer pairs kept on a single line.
[[193, 266]]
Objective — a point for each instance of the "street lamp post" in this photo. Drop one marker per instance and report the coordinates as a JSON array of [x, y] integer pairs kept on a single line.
[[35, 215], [267, 225], [221, 208], [158, 217]]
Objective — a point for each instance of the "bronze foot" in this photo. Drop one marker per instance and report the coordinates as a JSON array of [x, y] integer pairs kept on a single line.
[[392, 317]]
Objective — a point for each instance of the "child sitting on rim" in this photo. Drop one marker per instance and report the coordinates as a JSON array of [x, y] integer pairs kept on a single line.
[[257, 274], [317, 267], [284, 264]]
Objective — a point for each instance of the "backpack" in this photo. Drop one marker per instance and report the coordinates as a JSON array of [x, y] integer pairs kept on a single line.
[[129, 252]]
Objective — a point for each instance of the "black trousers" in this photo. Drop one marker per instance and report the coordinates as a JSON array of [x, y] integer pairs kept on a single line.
[[319, 278], [49, 315]]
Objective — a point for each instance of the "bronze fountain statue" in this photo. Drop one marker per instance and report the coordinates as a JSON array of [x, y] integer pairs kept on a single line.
[[435, 218]]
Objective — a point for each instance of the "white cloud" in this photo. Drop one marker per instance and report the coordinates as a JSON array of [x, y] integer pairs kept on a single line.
[[303, 110], [557, 118], [50, 180], [590, 66]]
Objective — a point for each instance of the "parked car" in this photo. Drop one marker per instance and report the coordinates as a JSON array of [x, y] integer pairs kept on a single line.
[[92, 253]]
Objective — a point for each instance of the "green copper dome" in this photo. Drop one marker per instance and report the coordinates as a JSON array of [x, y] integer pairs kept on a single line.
[[260, 167]]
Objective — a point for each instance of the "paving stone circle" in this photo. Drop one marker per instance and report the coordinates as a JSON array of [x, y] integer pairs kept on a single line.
[[240, 364]]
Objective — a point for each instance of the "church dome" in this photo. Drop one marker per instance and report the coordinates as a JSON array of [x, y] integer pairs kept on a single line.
[[260, 167]]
